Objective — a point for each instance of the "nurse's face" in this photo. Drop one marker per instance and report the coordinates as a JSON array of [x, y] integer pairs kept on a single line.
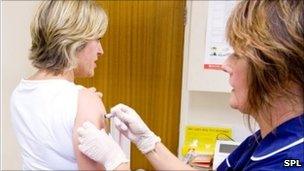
[[237, 68], [87, 57]]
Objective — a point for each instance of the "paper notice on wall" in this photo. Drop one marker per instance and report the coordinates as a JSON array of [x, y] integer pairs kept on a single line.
[[217, 48], [202, 139]]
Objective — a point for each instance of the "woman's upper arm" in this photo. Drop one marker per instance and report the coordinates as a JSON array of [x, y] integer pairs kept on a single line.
[[90, 108]]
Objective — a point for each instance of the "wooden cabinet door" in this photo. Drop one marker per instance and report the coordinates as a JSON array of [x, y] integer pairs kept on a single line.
[[142, 65]]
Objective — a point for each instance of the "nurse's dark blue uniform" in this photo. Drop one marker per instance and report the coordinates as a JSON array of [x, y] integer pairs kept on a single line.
[[274, 152]]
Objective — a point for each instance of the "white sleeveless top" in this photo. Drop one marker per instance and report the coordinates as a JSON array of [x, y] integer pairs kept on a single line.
[[43, 114]]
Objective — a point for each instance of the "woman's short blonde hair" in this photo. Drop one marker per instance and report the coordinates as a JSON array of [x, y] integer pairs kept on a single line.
[[269, 35], [60, 29]]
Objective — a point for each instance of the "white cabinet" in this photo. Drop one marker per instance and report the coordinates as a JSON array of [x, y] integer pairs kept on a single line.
[[198, 78], [205, 93]]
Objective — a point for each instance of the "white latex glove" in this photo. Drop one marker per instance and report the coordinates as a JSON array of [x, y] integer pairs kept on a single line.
[[100, 146], [129, 123]]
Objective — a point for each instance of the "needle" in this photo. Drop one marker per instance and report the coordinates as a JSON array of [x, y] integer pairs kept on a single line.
[[108, 116]]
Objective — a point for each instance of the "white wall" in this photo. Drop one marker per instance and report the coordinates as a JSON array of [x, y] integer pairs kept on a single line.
[[205, 94], [16, 17]]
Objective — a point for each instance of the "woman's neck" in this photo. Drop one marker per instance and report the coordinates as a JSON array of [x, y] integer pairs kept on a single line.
[[282, 111], [44, 75], [276, 119]]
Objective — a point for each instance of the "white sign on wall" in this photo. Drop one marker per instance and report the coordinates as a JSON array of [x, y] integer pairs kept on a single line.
[[217, 48]]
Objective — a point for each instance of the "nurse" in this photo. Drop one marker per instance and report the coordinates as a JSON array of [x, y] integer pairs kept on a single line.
[[267, 75]]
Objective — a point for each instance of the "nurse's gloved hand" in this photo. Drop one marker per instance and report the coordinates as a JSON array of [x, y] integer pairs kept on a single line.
[[129, 123], [100, 146]]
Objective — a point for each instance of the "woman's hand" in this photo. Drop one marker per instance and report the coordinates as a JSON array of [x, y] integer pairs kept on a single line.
[[100, 146], [93, 89], [129, 123]]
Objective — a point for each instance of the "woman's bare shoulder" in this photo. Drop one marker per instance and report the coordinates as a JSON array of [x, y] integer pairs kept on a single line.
[[90, 108]]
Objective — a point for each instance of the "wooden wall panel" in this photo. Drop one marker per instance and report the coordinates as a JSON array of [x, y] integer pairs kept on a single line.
[[142, 65]]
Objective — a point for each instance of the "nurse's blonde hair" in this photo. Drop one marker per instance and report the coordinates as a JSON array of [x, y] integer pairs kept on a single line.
[[60, 29]]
